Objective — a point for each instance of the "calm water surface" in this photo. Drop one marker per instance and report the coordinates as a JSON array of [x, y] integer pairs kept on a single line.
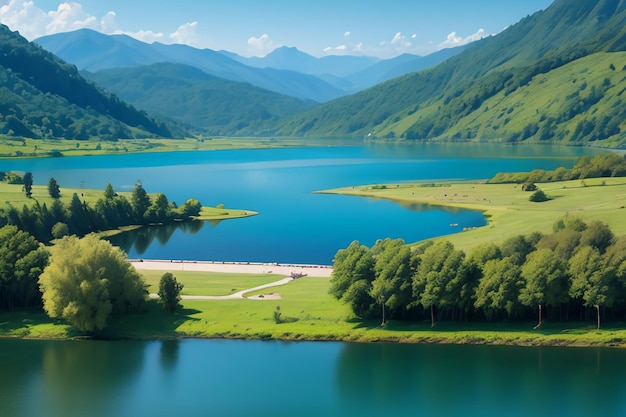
[[294, 225], [254, 378]]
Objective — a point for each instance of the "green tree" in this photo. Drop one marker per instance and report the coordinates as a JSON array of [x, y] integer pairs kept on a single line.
[[77, 217], [28, 184], [392, 269], [191, 207], [597, 235], [544, 281], [89, 279], [498, 288], [169, 292], [438, 266], [538, 197], [140, 201], [53, 188], [160, 209], [351, 280], [109, 193], [22, 260], [60, 230], [592, 281]]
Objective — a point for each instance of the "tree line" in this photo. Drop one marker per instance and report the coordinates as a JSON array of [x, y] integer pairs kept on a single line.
[[83, 281], [111, 211], [606, 165], [574, 273]]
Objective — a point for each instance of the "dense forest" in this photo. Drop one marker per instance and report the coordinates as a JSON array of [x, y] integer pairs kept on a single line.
[[578, 272], [43, 97], [79, 218]]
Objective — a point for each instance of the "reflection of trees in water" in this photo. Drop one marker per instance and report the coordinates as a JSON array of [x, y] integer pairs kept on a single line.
[[169, 354], [422, 207], [142, 238], [81, 376], [473, 380]]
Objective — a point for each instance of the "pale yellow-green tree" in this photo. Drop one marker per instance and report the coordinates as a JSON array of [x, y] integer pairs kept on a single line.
[[88, 280]]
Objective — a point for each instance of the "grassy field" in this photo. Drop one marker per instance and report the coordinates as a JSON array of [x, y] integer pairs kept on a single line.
[[507, 208], [33, 148], [308, 313], [209, 283]]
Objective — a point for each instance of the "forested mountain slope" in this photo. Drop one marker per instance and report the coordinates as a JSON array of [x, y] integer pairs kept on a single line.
[[43, 97], [447, 102], [212, 105]]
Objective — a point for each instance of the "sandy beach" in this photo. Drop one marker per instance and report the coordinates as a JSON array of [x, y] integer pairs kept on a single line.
[[234, 267]]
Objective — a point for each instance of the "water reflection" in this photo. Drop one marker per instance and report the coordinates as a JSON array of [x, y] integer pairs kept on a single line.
[[169, 354], [141, 239], [483, 380]]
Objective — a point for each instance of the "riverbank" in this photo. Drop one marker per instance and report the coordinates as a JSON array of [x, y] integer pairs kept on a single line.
[[11, 148], [308, 313], [506, 207]]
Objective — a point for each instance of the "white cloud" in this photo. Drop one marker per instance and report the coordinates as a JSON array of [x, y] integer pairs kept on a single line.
[[25, 17], [68, 17], [186, 34], [146, 36], [33, 22], [346, 34], [454, 39], [261, 46]]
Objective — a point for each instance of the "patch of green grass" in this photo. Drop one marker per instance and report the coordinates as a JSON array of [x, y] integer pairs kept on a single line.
[[209, 283], [507, 208], [32, 148], [309, 313]]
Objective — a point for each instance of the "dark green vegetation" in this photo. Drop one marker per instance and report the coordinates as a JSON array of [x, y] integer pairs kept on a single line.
[[602, 166], [556, 76], [22, 260], [562, 276], [77, 216], [169, 292], [212, 105], [43, 97], [87, 281]]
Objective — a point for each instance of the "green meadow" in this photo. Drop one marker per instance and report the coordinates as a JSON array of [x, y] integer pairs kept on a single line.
[[33, 148], [507, 208], [308, 312]]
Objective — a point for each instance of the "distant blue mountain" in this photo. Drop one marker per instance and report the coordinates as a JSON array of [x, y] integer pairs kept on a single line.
[[286, 70], [93, 51], [349, 73]]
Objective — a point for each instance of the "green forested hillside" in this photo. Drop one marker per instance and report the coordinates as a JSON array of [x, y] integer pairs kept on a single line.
[[503, 73], [41, 97], [186, 94]]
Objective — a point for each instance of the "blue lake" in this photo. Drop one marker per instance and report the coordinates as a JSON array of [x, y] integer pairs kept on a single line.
[[294, 225], [261, 378], [275, 379]]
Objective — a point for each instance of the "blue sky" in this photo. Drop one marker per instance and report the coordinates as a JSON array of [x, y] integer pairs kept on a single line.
[[383, 28]]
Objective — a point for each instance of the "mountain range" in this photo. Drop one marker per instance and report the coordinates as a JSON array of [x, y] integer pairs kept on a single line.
[[42, 96], [557, 76], [285, 71]]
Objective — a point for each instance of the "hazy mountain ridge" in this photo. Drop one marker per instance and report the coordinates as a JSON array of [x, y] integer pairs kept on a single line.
[[210, 104], [445, 102], [286, 70]]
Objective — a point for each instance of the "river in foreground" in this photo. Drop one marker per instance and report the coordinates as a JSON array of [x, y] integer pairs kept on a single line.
[[262, 378]]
